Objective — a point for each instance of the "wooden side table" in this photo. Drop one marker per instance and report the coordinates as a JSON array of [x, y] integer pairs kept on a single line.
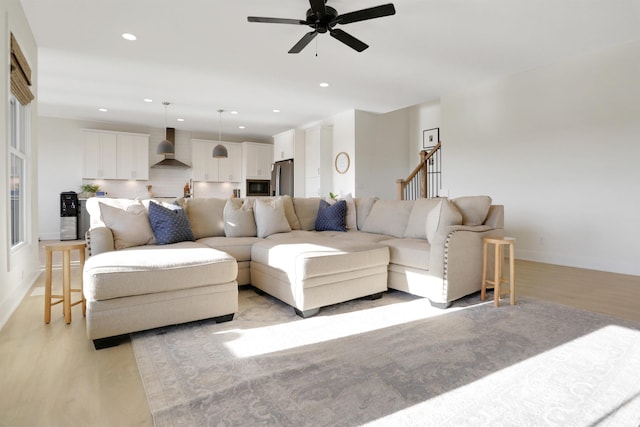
[[498, 280], [65, 298]]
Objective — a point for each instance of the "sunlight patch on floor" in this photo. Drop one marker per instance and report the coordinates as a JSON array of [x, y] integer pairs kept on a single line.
[[592, 380], [323, 328]]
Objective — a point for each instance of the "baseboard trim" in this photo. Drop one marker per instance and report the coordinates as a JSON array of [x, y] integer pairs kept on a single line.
[[13, 300]]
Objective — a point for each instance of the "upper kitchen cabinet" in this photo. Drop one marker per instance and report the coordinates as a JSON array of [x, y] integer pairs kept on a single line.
[[132, 156], [288, 145], [230, 169], [257, 160], [206, 168], [100, 155], [115, 155]]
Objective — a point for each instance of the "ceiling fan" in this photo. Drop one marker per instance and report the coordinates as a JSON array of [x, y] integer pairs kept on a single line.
[[322, 18]]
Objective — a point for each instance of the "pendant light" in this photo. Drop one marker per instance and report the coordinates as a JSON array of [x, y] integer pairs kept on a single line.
[[220, 151], [165, 146]]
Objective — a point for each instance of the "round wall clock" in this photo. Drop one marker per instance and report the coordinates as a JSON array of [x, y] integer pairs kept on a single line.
[[342, 162]]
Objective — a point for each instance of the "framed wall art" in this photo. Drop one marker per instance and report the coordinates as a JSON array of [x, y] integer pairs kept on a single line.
[[430, 137]]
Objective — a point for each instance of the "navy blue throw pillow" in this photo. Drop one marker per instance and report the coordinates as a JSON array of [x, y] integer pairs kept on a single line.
[[332, 217], [169, 225]]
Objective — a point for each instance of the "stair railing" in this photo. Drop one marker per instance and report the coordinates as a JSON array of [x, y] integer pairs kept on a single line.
[[424, 181]]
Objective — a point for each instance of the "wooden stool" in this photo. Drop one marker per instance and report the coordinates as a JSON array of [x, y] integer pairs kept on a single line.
[[498, 280], [65, 298]]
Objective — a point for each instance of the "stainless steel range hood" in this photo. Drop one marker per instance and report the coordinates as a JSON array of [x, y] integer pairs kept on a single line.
[[170, 162]]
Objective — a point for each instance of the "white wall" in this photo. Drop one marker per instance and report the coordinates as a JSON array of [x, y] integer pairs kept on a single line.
[[421, 117], [19, 267], [559, 147], [61, 146], [382, 146]]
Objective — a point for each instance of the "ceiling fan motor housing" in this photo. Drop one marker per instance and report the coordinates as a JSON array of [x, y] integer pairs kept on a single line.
[[321, 23]]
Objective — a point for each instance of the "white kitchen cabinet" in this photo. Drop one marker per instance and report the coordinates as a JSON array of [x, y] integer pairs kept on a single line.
[[100, 155], [318, 169], [257, 160], [206, 168], [284, 145], [230, 169], [132, 156]]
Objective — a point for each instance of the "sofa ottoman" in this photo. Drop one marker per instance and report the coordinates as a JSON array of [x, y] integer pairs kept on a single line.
[[151, 286], [309, 274]]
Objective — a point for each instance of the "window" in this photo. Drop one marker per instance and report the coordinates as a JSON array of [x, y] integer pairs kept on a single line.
[[18, 151]]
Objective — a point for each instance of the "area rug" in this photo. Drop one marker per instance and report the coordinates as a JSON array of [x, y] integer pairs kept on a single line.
[[394, 361]]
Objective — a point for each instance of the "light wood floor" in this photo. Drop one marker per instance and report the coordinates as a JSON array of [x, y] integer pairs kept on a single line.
[[50, 375]]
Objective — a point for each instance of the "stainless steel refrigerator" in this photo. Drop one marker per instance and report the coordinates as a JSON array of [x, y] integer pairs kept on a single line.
[[282, 178]]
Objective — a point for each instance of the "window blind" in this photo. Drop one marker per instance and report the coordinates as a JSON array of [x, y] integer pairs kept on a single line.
[[20, 74]]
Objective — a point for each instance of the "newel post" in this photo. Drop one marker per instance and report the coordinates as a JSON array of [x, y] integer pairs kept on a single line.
[[425, 176], [400, 188]]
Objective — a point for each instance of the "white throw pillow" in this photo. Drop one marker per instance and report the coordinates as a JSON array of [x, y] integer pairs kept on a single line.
[[129, 227], [270, 217], [239, 220], [363, 207]]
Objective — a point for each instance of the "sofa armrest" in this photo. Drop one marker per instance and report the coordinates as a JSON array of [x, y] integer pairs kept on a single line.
[[456, 258], [99, 240]]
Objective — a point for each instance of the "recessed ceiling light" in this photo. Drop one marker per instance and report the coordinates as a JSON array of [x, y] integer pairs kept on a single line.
[[128, 36], [276, 111], [240, 127], [104, 110], [148, 100], [324, 84], [180, 120], [234, 112]]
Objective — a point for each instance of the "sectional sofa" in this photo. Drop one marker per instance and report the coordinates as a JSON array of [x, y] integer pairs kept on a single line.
[[153, 264]]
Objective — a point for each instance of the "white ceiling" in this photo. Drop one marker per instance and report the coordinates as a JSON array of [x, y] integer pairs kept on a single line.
[[203, 55]]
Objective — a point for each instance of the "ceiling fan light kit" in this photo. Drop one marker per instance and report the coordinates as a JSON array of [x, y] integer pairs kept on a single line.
[[322, 19]]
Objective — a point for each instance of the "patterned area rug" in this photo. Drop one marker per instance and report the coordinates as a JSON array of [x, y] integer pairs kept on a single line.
[[394, 361]]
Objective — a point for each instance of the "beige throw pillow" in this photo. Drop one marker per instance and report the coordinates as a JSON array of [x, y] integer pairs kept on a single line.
[[306, 211], [388, 217], [442, 215], [474, 209], [351, 218], [270, 217], [363, 208], [239, 220], [417, 224], [130, 227], [206, 216]]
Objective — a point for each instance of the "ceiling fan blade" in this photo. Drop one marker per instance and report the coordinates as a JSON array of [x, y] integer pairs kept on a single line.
[[318, 6], [304, 41], [364, 14], [276, 20], [348, 39]]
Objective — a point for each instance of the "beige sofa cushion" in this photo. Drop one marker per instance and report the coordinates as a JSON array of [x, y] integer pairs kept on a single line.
[[417, 224], [302, 260], [409, 252], [270, 217], [130, 227], [237, 247], [206, 216], [474, 209], [389, 217], [239, 220], [443, 215], [154, 269], [306, 211]]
